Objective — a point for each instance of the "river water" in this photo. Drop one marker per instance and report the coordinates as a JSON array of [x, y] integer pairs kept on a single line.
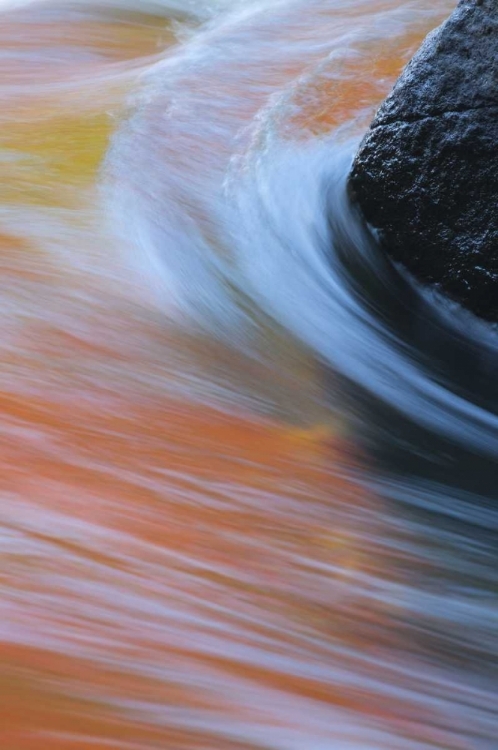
[[248, 470]]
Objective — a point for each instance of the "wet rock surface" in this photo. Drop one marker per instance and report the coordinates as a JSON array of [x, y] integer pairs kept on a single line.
[[426, 174]]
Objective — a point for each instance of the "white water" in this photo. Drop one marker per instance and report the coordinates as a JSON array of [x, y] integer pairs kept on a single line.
[[249, 470]]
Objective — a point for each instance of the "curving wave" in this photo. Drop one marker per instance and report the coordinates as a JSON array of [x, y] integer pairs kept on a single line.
[[248, 466]]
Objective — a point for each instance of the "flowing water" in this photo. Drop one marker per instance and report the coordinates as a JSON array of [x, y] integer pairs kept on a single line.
[[248, 470]]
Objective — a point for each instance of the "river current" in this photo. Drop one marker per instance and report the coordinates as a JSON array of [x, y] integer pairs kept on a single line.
[[248, 468]]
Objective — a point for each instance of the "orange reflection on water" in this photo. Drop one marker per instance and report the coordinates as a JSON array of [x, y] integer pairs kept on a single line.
[[174, 575], [150, 548]]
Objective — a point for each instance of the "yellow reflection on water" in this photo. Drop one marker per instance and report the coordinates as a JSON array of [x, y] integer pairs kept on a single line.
[[165, 563]]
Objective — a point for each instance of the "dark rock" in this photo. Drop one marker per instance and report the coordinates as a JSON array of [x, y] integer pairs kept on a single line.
[[426, 174]]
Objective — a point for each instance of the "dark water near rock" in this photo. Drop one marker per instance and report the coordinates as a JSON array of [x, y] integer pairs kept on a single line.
[[247, 469]]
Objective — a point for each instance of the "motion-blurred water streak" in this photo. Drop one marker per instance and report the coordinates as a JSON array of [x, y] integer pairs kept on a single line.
[[248, 469]]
